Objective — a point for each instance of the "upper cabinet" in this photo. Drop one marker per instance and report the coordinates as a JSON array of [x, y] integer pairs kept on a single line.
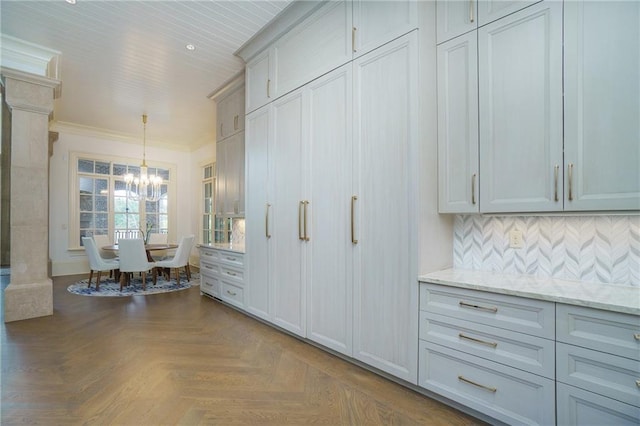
[[602, 105], [230, 114], [538, 151], [327, 35]]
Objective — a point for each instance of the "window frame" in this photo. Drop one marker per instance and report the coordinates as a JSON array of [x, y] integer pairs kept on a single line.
[[74, 196]]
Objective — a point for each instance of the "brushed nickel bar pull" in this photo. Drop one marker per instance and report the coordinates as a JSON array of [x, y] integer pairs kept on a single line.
[[233, 274], [353, 39], [482, 308], [638, 383], [232, 293], [300, 230], [473, 189], [221, 128], [306, 235], [471, 382], [266, 222], [556, 171], [232, 259], [473, 339], [636, 336], [570, 181], [235, 122], [353, 228], [268, 88], [471, 17]]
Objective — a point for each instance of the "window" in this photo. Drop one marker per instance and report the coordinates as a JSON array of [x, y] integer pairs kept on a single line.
[[208, 207], [101, 205]]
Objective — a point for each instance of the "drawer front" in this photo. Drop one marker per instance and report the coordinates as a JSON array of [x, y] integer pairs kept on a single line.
[[534, 317], [208, 268], [529, 353], [611, 332], [232, 294], [507, 394], [577, 407], [210, 285], [230, 274], [608, 375], [209, 254], [232, 259]]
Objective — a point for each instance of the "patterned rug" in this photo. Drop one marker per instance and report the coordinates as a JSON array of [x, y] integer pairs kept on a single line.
[[111, 288]]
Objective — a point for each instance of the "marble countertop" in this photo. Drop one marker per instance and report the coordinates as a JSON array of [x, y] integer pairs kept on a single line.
[[609, 297], [234, 247]]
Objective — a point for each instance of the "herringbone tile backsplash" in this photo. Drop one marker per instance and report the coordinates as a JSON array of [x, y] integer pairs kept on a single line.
[[604, 249]]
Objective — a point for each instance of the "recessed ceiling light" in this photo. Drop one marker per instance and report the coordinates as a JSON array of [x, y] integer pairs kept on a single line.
[[190, 47], [71, 1]]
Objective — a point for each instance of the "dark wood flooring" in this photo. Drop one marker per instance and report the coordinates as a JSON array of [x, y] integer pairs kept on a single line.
[[180, 358]]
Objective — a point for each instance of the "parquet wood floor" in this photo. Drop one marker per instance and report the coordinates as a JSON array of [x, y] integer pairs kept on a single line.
[[179, 358]]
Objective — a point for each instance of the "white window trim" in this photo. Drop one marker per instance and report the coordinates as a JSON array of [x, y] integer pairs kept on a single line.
[[74, 213]]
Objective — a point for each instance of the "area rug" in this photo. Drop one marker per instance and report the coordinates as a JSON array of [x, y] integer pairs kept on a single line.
[[111, 288]]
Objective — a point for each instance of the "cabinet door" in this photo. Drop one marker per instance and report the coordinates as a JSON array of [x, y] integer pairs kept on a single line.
[[580, 407], [234, 174], [222, 111], [257, 233], [454, 18], [378, 22], [385, 156], [329, 253], [258, 83], [287, 241], [221, 177], [319, 44], [458, 125], [491, 10], [602, 105], [520, 81]]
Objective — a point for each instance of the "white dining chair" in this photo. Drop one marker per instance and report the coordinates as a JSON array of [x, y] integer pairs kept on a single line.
[[96, 262], [102, 241], [133, 258], [181, 259]]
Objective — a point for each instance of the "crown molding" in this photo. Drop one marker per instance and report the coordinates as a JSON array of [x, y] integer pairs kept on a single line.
[[29, 57], [227, 87]]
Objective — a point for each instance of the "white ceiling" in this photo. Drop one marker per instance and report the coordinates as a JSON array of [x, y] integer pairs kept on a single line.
[[120, 59]]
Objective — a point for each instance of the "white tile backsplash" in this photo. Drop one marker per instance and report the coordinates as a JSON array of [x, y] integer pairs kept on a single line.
[[237, 231], [604, 249]]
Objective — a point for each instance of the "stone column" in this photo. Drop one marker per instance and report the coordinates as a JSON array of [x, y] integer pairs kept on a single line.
[[30, 290]]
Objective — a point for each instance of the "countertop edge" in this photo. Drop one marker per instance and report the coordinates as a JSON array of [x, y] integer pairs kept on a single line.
[[225, 247], [610, 297]]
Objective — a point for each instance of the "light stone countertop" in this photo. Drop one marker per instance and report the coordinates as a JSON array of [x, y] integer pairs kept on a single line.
[[611, 297], [237, 248]]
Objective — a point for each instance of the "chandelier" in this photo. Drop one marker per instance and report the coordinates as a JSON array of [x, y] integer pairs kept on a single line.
[[143, 187]]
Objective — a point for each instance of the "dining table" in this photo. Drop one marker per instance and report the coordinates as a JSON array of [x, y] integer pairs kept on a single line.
[[147, 247]]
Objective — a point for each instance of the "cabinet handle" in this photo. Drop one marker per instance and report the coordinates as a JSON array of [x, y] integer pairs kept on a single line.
[[221, 128], [232, 293], [353, 228], [232, 259], [473, 189], [300, 230], [638, 383], [482, 308], [473, 339], [556, 172], [306, 235], [636, 336], [233, 274], [471, 17], [353, 39], [235, 123], [266, 222], [208, 254], [268, 88], [471, 382], [570, 181], [209, 267]]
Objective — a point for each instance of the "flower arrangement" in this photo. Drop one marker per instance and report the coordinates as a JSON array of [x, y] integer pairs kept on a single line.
[[145, 235]]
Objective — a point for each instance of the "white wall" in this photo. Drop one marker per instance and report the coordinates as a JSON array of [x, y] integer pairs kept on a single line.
[[65, 261]]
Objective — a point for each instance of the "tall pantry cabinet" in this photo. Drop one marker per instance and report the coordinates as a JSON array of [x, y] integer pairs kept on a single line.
[[331, 246]]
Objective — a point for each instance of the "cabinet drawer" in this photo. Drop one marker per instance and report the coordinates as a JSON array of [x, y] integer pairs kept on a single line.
[[521, 315], [232, 294], [579, 407], [210, 285], [236, 275], [507, 394], [209, 254], [529, 353], [232, 258], [208, 268], [608, 375], [611, 332]]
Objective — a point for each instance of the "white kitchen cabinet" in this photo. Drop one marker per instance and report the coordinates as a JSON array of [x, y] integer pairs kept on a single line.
[[257, 232], [286, 256], [579, 407], [258, 83], [329, 163], [491, 10], [385, 151], [602, 105], [230, 113], [458, 157], [378, 22], [520, 104], [230, 180], [455, 17]]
